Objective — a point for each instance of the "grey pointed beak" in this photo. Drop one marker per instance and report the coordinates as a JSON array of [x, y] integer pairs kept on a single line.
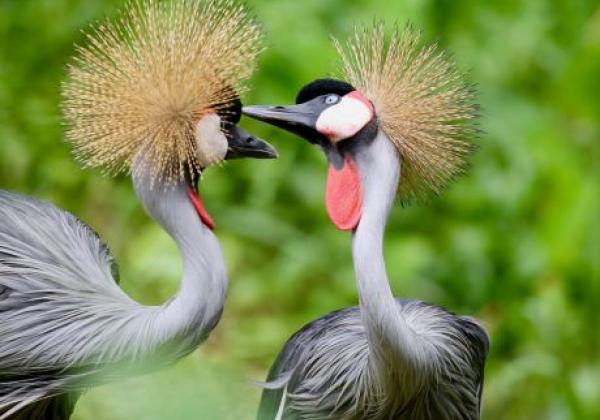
[[289, 115], [245, 145], [299, 119]]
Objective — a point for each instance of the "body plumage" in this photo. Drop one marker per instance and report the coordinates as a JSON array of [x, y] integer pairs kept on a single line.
[[336, 346]]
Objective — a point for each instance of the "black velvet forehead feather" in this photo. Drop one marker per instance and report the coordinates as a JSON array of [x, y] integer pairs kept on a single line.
[[231, 110], [322, 87]]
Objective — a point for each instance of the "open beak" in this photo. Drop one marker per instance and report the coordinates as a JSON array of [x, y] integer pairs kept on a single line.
[[299, 119], [244, 145]]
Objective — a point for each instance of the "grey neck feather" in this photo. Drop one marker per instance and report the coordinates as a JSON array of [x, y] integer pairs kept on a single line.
[[197, 307], [392, 343]]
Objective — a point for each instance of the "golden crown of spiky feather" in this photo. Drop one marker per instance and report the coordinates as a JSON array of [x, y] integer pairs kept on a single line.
[[422, 103], [136, 90]]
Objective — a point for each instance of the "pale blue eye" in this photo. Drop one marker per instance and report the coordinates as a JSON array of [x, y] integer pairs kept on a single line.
[[332, 99]]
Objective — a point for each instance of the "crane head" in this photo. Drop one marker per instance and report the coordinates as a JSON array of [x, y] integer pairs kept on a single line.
[[334, 115], [219, 138], [219, 133], [156, 90], [328, 112], [400, 87]]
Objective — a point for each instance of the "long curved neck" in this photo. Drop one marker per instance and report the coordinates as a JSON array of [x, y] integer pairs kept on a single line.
[[187, 318], [392, 342]]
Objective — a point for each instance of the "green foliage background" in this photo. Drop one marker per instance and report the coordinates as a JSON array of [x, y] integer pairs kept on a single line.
[[514, 243]]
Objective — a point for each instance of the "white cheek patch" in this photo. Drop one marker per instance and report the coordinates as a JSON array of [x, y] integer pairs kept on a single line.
[[344, 119], [212, 143]]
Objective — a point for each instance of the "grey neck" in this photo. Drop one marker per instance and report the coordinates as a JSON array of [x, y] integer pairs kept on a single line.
[[197, 307], [391, 340]]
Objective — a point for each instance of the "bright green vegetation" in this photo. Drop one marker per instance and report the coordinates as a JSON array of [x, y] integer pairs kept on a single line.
[[515, 242]]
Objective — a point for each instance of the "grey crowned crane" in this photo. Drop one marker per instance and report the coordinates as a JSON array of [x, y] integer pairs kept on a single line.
[[400, 125], [154, 94]]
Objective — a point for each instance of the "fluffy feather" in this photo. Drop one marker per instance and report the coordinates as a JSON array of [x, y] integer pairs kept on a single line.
[[421, 100], [138, 87]]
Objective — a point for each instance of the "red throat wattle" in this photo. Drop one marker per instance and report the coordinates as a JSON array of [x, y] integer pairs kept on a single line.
[[343, 196], [200, 209]]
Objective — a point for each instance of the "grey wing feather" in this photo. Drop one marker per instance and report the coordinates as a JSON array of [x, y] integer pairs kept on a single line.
[[480, 345], [58, 297], [323, 370], [56, 408], [286, 372], [278, 380]]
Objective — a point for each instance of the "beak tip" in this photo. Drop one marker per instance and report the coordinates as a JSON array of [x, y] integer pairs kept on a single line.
[[270, 152]]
